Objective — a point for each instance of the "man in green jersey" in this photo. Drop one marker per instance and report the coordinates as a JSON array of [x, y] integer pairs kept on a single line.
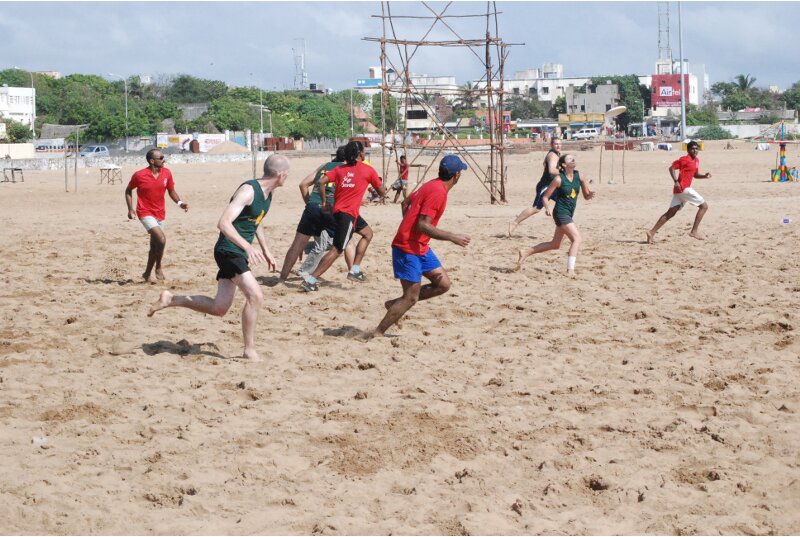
[[234, 253]]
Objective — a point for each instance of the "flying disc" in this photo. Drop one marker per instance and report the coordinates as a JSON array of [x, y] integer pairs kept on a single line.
[[617, 110]]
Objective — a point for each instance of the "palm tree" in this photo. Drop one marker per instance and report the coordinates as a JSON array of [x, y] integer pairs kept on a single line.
[[745, 82], [468, 96]]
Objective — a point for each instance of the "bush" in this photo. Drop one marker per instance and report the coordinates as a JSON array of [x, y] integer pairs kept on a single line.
[[713, 132]]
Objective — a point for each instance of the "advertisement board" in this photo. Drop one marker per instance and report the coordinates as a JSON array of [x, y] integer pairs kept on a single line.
[[666, 90]]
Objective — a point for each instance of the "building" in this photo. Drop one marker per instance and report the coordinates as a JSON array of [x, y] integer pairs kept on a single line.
[[592, 98], [18, 104]]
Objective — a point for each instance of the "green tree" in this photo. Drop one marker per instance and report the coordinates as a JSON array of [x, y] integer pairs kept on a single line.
[[696, 115], [468, 96], [188, 89], [630, 96], [228, 113], [559, 106], [522, 107], [792, 97], [713, 132], [17, 133]]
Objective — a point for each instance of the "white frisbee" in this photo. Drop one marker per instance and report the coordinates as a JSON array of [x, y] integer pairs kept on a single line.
[[617, 110]]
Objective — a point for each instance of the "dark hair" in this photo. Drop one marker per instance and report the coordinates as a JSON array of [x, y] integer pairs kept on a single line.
[[402, 157], [561, 160], [339, 154], [351, 152], [692, 144], [149, 155]]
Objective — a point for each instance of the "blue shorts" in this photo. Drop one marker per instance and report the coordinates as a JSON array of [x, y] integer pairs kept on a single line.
[[411, 267]]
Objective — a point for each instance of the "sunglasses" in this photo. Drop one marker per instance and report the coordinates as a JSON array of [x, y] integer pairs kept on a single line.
[[159, 158]]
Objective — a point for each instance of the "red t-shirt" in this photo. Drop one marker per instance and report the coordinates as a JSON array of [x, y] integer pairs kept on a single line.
[[430, 200], [150, 192], [351, 183], [404, 171], [688, 168]]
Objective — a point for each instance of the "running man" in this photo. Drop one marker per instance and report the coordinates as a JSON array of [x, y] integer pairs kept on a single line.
[[352, 181], [412, 258], [550, 171], [687, 168], [568, 184], [401, 184], [151, 183], [234, 253]]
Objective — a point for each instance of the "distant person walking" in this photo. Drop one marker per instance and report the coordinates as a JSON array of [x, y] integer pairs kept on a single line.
[[550, 170], [412, 257], [150, 184], [234, 253], [682, 171], [401, 185], [568, 184]]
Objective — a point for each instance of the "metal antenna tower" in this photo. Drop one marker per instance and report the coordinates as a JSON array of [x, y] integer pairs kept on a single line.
[[664, 49], [300, 75]]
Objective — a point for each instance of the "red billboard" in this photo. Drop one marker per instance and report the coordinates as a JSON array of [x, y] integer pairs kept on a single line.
[[666, 90]]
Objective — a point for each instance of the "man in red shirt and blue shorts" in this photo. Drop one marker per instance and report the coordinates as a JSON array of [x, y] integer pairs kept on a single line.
[[352, 180], [412, 258], [151, 183], [688, 168]]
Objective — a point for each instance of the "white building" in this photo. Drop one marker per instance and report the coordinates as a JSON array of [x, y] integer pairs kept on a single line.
[[18, 104]]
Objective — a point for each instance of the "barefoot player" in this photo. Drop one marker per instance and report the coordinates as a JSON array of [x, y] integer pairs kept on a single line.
[[234, 253]]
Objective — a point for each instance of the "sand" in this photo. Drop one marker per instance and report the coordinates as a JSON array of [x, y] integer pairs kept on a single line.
[[656, 393]]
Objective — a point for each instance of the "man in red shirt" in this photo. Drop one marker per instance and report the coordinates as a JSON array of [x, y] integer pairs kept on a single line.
[[352, 181], [401, 184], [412, 258], [151, 184], [688, 168]]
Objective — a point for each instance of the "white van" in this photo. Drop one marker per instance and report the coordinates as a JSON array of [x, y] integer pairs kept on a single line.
[[586, 134]]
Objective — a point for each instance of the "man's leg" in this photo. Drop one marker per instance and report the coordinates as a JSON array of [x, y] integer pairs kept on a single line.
[[157, 243], [701, 212], [219, 305], [321, 245], [363, 244], [292, 254], [326, 262], [553, 244], [672, 211], [253, 299], [399, 306]]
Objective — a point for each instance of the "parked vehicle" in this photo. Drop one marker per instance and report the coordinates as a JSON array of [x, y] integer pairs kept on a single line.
[[95, 151], [586, 134]]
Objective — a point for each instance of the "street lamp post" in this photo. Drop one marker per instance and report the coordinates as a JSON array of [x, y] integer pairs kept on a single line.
[[124, 81]]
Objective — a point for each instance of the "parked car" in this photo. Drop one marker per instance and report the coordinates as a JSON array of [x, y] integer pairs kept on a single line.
[[95, 151], [586, 134]]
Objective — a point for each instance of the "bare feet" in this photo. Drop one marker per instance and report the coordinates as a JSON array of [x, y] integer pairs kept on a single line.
[[160, 274], [571, 274], [520, 259], [650, 237], [147, 278], [251, 355], [512, 225], [163, 301], [697, 235]]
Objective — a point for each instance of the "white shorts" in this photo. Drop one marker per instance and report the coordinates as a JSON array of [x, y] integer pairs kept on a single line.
[[689, 195], [149, 222]]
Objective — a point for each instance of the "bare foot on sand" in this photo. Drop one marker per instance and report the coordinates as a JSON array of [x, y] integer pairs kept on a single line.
[[511, 227], [251, 356], [148, 278], [520, 258], [163, 301], [571, 274], [697, 235], [160, 274], [650, 237]]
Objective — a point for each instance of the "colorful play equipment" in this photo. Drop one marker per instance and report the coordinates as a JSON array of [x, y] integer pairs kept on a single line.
[[783, 173]]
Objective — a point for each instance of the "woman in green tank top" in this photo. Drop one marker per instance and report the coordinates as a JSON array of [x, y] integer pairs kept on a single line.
[[569, 184]]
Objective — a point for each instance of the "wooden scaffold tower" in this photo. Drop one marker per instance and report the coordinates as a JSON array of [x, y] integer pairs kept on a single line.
[[398, 83]]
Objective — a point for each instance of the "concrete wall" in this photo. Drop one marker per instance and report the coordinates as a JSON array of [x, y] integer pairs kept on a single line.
[[746, 131], [57, 163], [16, 151]]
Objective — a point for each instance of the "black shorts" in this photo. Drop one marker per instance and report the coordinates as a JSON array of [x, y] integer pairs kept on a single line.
[[314, 221], [345, 225], [562, 219], [230, 264]]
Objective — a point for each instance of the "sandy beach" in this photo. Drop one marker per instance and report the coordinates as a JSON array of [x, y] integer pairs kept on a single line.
[[657, 393]]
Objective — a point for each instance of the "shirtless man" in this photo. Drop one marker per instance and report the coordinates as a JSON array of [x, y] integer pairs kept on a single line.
[[550, 165]]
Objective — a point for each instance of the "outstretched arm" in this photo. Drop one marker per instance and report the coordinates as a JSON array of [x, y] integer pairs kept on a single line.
[[425, 226]]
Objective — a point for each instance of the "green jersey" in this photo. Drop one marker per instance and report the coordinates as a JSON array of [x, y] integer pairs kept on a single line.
[[330, 187], [248, 220], [568, 195]]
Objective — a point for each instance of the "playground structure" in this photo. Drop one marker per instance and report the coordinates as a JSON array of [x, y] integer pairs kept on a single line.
[[396, 55], [781, 173]]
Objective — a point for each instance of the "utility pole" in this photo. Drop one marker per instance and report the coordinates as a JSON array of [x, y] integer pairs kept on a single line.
[[124, 81], [683, 88]]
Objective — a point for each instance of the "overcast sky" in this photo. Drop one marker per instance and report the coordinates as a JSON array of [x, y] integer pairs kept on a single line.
[[251, 43]]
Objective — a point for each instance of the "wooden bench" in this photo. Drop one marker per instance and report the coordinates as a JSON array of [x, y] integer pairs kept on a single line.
[[111, 175], [14, 172]]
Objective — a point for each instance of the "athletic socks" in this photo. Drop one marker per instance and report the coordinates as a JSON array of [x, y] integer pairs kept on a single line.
[[571, 262], [311, 279], [355, 269]]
